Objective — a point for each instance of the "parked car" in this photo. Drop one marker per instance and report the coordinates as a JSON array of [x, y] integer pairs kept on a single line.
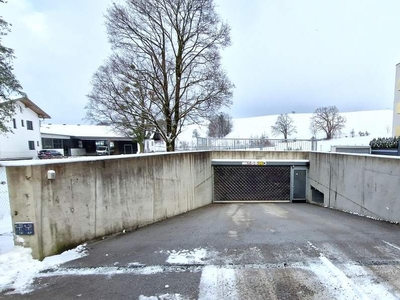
[[45, 154], [102, 150]]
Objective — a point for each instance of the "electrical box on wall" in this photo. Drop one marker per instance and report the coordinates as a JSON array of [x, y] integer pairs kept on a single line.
[[51, 174], [24, 228]]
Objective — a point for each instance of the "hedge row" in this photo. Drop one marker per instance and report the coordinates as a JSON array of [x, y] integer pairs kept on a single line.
[[391, 142]]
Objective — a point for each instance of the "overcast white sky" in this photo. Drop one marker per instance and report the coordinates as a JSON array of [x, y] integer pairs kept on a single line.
[[287, 55]]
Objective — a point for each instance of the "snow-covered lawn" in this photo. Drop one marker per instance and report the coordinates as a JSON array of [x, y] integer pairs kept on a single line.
[[378, 123]]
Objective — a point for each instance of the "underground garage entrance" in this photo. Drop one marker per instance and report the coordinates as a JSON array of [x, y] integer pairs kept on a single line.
[[260, 181]]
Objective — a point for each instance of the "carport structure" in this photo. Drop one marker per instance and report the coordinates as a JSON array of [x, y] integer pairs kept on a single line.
[[80, 140]]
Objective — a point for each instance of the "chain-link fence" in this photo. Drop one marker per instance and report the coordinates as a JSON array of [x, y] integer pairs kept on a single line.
[[251, 183], [255, 144], [4, 198]]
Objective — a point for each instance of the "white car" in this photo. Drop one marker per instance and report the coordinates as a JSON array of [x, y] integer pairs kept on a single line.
[[102, 150]]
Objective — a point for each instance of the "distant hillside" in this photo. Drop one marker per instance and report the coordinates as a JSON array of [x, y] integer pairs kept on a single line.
[[376, 122]]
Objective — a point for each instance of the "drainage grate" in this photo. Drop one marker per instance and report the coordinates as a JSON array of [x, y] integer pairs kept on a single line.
[[251, 183]]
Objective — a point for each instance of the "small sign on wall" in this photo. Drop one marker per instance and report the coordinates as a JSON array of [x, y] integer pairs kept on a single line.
[[24, 228]]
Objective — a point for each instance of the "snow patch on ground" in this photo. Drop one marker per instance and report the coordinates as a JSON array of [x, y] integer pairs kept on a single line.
[[361, 215], [348, 280], [187, 257], [136, 264], [106, 271], [19, 269], [164, 297], [218, 283], [391, 245]]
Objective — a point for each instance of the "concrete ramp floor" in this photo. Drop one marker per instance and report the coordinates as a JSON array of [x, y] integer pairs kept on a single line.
[[237, 251]]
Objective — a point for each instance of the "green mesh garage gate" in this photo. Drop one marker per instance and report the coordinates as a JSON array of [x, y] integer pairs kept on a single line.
[[260, 180]]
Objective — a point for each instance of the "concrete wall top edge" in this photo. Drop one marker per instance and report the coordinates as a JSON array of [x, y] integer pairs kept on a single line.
[[123, 156], [137, 156], [88, 159], [357, 154]]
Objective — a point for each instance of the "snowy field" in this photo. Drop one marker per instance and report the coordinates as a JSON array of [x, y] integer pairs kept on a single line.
[[378, 123]]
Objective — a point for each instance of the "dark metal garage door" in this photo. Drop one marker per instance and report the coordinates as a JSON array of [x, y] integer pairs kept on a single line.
[[253, 180]]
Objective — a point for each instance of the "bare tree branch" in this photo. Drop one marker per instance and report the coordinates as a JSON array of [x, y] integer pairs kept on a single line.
[[284, 125], [165, 71], [328, 120], [220, 125]]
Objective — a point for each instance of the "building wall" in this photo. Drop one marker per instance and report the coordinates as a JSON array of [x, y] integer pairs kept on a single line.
[[15, 145], [362, 184], [396, 106]]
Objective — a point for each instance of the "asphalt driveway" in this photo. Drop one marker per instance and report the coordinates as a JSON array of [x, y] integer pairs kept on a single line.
[[237, 251]]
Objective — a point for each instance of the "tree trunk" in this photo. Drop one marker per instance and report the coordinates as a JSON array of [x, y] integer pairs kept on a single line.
[[140, 146], [170, 146]]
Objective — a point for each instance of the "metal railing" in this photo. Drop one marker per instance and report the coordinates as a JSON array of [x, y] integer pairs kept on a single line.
[[255, 144]]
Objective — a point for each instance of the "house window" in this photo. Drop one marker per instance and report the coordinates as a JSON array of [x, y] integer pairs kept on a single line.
[[47, 143], [29, 125], [57, 144], [22, 123], [15, 124], [31, 145], [37, 143]]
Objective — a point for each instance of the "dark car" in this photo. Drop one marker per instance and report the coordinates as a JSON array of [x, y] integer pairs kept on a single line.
[[43, 154]]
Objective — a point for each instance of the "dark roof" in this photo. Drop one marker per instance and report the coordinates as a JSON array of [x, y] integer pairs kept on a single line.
[[29, 104]]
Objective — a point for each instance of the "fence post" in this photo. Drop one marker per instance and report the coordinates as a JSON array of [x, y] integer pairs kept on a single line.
[[314, 145]]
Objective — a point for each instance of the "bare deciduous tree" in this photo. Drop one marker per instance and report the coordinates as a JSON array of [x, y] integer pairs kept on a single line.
[[284, 125], [119, 100], [328, 120], [220, 125], [165, 66], [313, 130]]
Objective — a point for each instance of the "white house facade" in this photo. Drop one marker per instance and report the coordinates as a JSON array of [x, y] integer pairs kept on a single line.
[[24, 141]]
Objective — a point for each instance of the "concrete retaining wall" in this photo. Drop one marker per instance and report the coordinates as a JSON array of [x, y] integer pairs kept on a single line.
[[91, 199], [105, 195], [363, 184]]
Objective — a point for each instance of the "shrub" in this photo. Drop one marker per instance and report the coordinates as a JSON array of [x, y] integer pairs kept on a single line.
[[391, 142]]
